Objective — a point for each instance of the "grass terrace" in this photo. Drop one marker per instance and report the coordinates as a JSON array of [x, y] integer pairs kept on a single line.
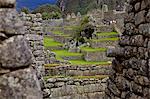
[[57, 32], [61, 53], [105, 39], [48, 42], [106, 33], [78, 77], [83, 62], [71, 27], [89, 49]]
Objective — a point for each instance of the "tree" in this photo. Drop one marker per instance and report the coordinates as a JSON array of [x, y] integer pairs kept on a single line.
[[49, 11], [25, 10]]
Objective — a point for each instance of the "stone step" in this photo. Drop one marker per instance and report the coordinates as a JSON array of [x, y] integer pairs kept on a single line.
[[77, 70], [77, 87]]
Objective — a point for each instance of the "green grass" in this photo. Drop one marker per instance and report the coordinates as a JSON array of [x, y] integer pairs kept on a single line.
[[83, 62], [78, 77], [49, 42], [105, 39], [57, 32], [107, 33], [89, 49], [61, 53], [71, 27]]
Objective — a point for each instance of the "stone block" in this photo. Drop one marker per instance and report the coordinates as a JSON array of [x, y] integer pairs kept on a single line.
[[15, 53]]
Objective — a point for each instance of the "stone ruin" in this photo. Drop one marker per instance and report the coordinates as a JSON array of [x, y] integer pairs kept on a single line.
[[18, 79], [33, 24], [130, 78]]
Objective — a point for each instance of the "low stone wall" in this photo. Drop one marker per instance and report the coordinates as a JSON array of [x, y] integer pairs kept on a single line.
[[51, 48], [62, 39], [105, 28], [70, 88], [69, 32], [78, 70], [106, 36], [96, 56], [103, 44], [34, 34], [79, 57]]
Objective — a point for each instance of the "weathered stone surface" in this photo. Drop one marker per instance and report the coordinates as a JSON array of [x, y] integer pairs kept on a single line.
[[130, 78], [15, 53], [7, 3], [20, 84], [11, 23], [139, 17]]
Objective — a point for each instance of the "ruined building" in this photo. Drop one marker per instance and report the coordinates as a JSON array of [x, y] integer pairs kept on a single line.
[[18, 79], [130, 78]]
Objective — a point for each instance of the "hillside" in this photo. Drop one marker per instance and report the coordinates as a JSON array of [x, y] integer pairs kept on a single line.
[[32, 4], [85, 5]]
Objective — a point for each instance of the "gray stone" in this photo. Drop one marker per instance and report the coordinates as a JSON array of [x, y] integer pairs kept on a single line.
[[15, 53], [7, 3], [20, 84], [139, 17]]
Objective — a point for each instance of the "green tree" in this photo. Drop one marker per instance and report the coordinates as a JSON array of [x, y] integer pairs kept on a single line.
[[25, 10], [49, 11]]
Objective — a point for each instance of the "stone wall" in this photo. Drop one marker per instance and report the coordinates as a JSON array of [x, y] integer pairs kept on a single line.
[[34, 34], [130, 78], [96, 56], [18, 79], [102, 44], [74, 88], [77, 70]]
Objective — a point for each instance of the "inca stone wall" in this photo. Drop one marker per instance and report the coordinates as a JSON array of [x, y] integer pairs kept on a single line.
[[76, 88], [34, 34], [18, 79], [130, 78]]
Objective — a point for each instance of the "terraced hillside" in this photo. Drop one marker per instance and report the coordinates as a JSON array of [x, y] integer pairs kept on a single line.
[[87, 64]]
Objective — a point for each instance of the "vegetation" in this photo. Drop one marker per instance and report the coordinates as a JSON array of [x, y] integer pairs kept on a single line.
[[50, 42], [107, 33], [61, 53], [83, 62], [25, 10], [49, 11], [105, 39], [89, 49], [78, 77]]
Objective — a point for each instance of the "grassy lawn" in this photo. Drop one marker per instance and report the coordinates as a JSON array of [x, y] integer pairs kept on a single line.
[[107, 33], [78, 77], [60, 53], [48, 42], [57, 32], [83, 62], [89, 49], [71, 27], [106, 39]]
